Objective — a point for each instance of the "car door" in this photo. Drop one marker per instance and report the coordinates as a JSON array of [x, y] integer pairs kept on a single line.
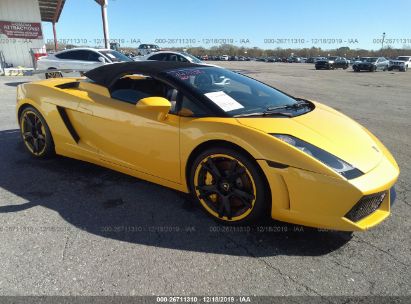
[[79, 60], [131, 137]]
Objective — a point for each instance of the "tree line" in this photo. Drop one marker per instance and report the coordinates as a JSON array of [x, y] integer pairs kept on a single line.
[[232, 50]]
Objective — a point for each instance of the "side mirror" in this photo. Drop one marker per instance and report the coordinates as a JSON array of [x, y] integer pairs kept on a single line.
[[158, 105], [102, 59]]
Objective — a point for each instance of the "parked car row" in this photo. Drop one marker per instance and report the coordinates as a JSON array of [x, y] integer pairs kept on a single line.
[[84, 59], [371, 64]]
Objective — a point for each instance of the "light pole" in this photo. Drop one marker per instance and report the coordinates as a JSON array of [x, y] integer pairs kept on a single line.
[[382, 42], [103, 4]]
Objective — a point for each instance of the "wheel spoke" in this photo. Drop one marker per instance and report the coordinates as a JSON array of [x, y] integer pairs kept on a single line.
[[243, 195], [206, 190], [41, 137], [236, 172], [28, 121], [35, 145], [225, 207], [37, 122], [212, 168], [27, 135], [245, 202]]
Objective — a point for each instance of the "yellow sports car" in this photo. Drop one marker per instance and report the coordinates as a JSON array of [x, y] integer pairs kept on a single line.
[[242, 148]]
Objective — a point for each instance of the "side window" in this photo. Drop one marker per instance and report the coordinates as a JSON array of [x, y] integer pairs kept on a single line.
[[159, 57], [189, 108], [65, 55], [181, 58], [172, 57], [93, 56], [73, 55], [132, 90]]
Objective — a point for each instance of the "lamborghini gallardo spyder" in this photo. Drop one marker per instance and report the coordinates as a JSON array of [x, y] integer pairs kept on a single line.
[[243, 149]]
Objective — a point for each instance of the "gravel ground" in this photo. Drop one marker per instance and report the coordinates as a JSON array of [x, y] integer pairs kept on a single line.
[[71, 228]]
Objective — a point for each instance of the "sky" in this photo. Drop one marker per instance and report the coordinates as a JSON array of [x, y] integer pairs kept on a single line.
[[267, 24]]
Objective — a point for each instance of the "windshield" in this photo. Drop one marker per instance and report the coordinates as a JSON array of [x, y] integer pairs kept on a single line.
[[370, 59], [403, 58], [115, 56], [193, 58], [332, 58], [235, 94]]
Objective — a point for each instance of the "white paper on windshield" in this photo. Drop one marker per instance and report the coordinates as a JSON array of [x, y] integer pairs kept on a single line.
[[224, 101], [111, 55]]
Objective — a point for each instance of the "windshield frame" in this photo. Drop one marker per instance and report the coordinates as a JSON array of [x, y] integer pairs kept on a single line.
[[193, 58], [105, 52], [215, 109]]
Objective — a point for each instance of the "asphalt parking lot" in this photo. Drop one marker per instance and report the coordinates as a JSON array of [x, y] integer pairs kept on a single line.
[[71, 228]]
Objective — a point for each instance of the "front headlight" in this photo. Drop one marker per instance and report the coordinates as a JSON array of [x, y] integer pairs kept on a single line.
[[332, 161]]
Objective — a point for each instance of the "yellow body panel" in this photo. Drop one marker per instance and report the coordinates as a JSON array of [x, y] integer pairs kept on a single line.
[[136, 141]]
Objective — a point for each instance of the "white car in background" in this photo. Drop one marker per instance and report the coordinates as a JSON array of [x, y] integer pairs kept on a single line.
[[145, 49], [402, 63], [224, 58], [77, 59]]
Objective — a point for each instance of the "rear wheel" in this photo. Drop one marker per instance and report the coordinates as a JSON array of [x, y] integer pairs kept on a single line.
[[229, 186], [36, 134], [51, 74]]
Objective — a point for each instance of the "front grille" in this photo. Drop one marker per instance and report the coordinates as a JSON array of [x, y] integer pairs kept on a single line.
[[365, 206]]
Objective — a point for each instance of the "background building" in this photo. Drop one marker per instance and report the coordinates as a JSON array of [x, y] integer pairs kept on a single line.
[[21, 32]]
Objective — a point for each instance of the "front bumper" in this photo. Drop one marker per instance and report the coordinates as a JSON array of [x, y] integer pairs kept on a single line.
[[363, 67], [322, 65], [396, 67], [316, 200]]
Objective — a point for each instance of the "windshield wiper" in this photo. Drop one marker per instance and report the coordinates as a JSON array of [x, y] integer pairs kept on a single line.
[[267, 113], [301, 103], [272, 111]]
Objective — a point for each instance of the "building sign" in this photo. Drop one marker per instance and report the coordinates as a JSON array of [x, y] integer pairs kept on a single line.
[[22, 30]]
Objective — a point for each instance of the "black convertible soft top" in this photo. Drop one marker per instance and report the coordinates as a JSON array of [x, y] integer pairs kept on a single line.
[[107, 74]]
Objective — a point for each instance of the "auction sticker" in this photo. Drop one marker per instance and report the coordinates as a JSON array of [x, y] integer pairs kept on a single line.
[[224, 101]]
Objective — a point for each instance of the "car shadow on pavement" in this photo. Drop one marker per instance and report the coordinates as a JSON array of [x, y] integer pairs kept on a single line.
[[15, 84], [116, 206]]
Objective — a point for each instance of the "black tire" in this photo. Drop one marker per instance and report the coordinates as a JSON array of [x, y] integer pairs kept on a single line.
[[390, 69], [241, 210], [45, 146], [373, 68], [51, 74]]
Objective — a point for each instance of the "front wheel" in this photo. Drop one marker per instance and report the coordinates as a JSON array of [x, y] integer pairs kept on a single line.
[[36, 134], [229, 186]]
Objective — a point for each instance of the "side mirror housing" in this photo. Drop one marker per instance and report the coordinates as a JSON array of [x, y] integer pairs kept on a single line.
[[102, 59], [158, 105]]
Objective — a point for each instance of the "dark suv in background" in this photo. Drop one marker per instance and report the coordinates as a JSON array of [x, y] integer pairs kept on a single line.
[[332, 63], [371, 64]]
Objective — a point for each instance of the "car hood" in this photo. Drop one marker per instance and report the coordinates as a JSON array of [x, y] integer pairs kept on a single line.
[[327, 129]]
